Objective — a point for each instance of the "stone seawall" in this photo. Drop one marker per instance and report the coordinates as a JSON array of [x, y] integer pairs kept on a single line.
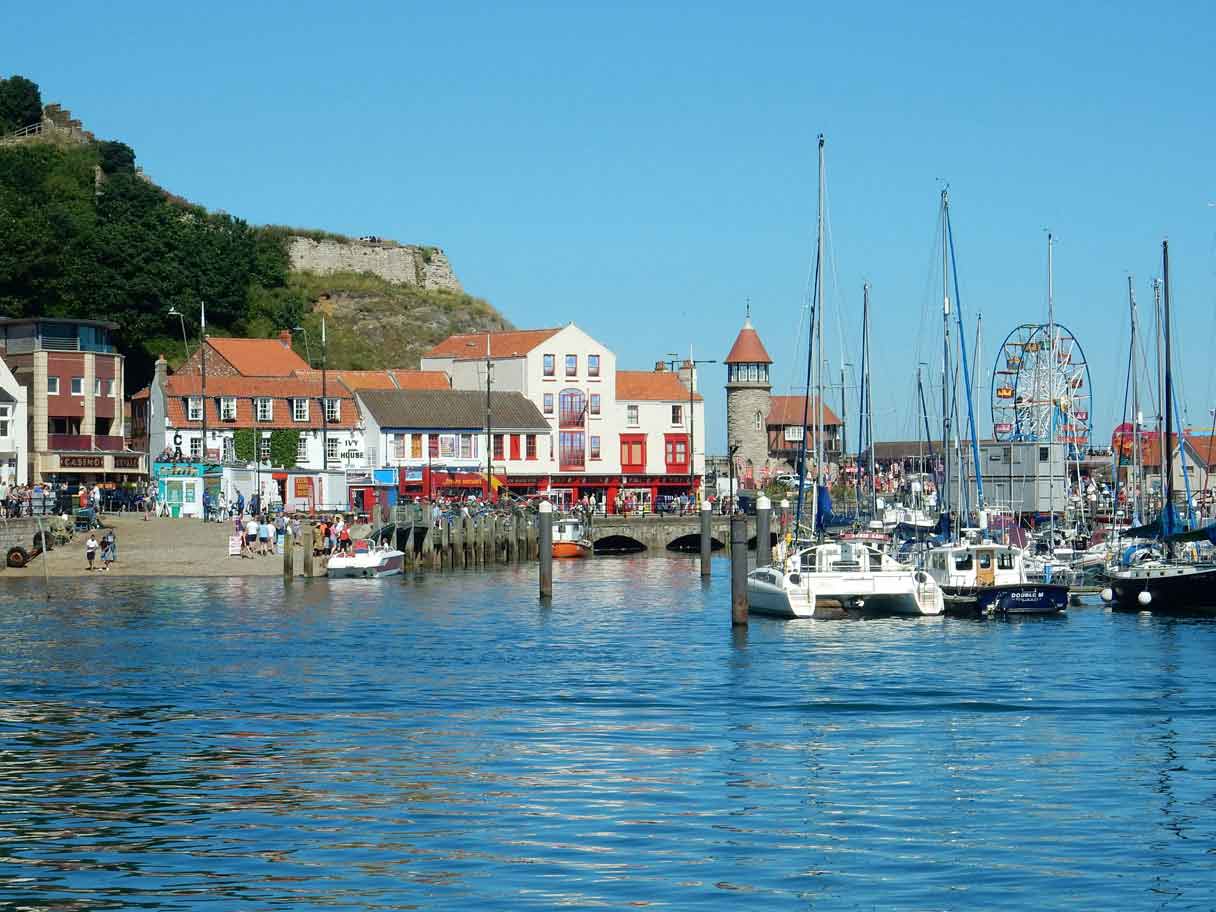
[[401, 264]]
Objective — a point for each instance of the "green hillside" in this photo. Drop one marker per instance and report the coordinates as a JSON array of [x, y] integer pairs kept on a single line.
[[83, 234]]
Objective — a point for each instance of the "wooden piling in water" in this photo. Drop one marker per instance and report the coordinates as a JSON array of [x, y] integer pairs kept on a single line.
[[458, 543], [707, 538], [309, 558], [545, 541], [289, 555], [738, 571]]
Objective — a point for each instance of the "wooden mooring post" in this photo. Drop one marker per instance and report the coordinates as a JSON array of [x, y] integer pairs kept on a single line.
[[707, 538], [545, 543], [738, 571]]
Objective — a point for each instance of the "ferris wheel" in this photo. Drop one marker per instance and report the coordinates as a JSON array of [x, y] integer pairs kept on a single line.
[[1040, 391]]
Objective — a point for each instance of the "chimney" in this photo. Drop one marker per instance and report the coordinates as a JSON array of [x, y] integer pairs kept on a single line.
[[688, 375], [159, 371], [285, 337], [660, 366]]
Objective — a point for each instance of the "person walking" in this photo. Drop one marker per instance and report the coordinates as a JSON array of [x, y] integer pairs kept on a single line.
[[251, 536], [90, 550], [108, 547]]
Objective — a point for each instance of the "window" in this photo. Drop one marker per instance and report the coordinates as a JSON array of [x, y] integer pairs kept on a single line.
[[676, 450], [78, 386], [1004, 560], [633, 452], [333, 409], [447, 446], [263, 449], [549, 365], [530, 449], [677, 414], [515, 447], [194, 408], [416, 446], [302, 449], [758, 423], [571, 365], [110, 389], [548, 403], [229, 450], [572, 449], [52, 386], [400, 443], [593, 365], [1043, 451], [631, 413], [196, 448], [595, 403], [299, 409], [962, 560], [498, 446], [468, 447], [432, 446], [263, 408], [228, 408], [331, 450], [5, 416], [985, 559], [573, 407], [96, 386], [595, 447]]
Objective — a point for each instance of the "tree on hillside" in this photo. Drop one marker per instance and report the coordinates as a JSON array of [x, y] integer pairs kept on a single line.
[[116, 157], [20, 103]]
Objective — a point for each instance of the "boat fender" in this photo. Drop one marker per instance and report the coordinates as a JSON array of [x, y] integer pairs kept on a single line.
[[795, 579], [1108, 595], [1144, 597], [17, 556], [921, 577]]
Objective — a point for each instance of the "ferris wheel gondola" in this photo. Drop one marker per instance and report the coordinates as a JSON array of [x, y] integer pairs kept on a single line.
[[1041, 389]]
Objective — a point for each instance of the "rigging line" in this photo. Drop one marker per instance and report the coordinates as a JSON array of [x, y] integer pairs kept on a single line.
[[841, 326], [928, 316], [806, 404]]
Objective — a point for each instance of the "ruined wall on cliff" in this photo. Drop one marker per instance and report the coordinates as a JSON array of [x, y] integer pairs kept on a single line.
[[401, 264]]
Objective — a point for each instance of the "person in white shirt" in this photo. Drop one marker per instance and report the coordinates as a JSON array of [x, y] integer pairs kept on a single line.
[[251, 536], [90, 550]]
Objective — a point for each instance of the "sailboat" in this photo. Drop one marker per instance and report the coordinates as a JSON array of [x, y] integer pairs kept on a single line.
[[1169, 584], [821, 578], [975, 573]]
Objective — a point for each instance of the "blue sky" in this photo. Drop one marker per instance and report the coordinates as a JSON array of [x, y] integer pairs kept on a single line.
[[644, 169]]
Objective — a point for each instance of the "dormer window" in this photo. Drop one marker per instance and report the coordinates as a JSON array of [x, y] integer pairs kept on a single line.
[[299, 409], [228, 408], [194, 408]]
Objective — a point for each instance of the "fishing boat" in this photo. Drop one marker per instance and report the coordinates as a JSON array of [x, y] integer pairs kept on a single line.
[[824, 579], [1169, 583], [570, 539], [990, 578], [367, 559]]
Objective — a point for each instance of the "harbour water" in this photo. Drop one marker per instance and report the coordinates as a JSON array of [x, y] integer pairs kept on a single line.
[[448, 743]]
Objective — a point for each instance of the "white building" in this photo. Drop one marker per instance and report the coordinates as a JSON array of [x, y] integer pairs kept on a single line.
[[610, 431], [14, 429]]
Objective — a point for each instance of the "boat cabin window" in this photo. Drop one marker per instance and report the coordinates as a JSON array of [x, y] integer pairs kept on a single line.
[[985, 560], [962, 560], [875, 561], [1004, 560]]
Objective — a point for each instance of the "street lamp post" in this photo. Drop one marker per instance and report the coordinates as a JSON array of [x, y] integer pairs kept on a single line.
[[692, 385], [174, 312]]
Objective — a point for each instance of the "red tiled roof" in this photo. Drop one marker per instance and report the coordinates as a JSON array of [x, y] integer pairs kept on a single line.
[[258, 357], [661, 386], [247, 387], [788, 410], [1150, 448], [421, 380], [509, 344], [748, 349], [143, 393], [348, 416], [391, 378]]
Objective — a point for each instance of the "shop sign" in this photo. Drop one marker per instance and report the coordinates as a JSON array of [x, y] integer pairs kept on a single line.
[[126, 462], [82, 462], [303, 487]]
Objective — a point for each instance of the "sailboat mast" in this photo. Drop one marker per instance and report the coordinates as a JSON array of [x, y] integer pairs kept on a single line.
[[818, 346], [865, 289], [1051, 392], [1167, 451], [944, 499], [1160, 362], [1135, 498]]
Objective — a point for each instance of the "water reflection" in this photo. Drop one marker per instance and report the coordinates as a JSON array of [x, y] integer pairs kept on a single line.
[[449, 742]]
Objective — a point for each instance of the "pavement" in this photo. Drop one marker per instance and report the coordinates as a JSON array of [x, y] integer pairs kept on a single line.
[[159, 546]]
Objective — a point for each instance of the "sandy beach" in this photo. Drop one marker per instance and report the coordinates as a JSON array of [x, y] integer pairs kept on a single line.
[[159, 547]]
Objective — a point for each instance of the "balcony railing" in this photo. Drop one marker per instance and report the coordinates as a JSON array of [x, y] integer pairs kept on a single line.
[[84, 442]]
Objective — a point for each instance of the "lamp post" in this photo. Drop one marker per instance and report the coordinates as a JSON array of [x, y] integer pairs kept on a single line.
[[174, 312], [692, 387], [489, 485]]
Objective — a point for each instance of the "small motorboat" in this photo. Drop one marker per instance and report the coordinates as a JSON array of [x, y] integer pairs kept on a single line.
[[367, 559], [570, 539]]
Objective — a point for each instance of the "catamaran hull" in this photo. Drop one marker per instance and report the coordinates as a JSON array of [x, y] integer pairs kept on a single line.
[[772, 594], [1168, 588]]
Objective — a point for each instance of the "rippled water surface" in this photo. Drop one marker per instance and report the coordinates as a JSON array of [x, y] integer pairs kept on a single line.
[[447, 743]]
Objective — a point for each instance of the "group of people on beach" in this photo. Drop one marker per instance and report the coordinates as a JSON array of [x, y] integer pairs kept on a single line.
[[260, 534]]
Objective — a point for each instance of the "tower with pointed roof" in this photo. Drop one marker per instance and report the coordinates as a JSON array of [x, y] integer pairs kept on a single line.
[[748, 394]]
